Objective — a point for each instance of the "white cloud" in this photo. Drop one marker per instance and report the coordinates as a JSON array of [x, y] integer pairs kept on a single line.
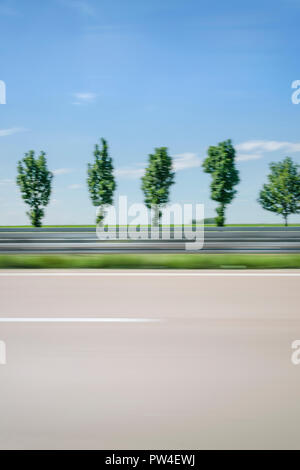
[[130, 173], [81, 6], [84, 98], [62, 171], [11, 131], [242, 157], [75, 186], [255, 149], [181, 162], [6, 181], [186, 160], [54, 202]]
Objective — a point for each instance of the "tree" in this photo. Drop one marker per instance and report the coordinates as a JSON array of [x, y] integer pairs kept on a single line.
[[35, 180], [220, 163], [101, 181], [282, 193], [159, 177]]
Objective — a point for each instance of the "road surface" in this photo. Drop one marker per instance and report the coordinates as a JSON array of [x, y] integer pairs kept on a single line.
[[159, 360], [226, 240]]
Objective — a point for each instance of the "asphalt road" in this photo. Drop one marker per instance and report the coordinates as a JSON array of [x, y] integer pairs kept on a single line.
[[178, 360], [227, 240]]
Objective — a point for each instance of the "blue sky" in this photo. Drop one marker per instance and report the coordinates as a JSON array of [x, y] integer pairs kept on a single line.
[[184, 74]]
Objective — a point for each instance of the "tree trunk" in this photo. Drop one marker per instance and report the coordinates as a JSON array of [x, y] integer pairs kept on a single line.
[[220, 219], [36, 215], [156, 216], [100, 215], [285, 220]]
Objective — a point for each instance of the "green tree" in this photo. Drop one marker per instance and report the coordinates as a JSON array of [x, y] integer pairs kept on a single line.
[[35, 181], [159, 177], [101, 180], [220, 163], [282, 193]]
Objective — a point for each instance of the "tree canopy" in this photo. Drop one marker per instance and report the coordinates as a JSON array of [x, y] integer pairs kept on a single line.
[[157, 181], [101, 180], [282, 192], [220, 163], [35, 181]]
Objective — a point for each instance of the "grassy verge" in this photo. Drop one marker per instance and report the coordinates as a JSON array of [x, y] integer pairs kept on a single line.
[[152, 261]]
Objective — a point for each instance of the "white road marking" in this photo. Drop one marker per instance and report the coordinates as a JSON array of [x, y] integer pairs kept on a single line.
[[75, 320], [2, 353]]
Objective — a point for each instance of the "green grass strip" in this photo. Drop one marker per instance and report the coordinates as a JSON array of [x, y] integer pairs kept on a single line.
[[151, 261]]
